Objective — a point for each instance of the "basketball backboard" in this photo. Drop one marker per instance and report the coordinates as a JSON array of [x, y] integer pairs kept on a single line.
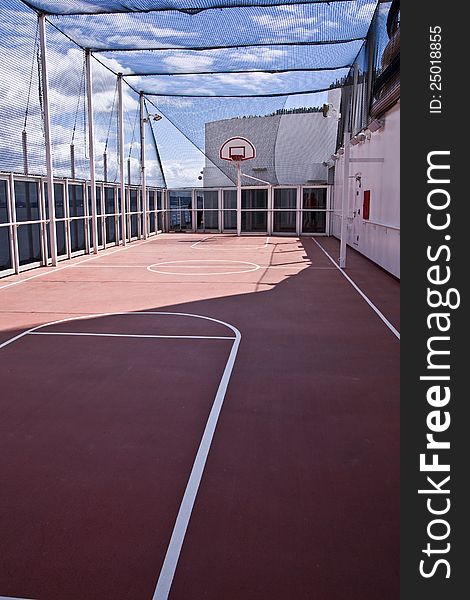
[[237, 149]]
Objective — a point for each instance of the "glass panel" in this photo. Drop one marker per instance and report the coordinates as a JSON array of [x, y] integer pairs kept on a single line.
[[159, 201], [152, 222], [254, 199], [254, 221], [26, 201], [3, 202], [110, 208], [211, 220], [98, 200], [314, 198], [133, 201], [29, 243], [285, 198], [159, 221], [180, 210], [59, 201], [151, 200], [314, 222], [230, 219], [110, 230], [59, 213], [134, 229], [5, 258], [284, 222], [76, 201], [230, 199]]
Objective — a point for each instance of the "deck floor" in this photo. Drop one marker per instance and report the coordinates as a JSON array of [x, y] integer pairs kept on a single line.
[[112, 368]]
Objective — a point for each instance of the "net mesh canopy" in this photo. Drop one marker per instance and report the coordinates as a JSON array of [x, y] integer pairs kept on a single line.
[[211, 68]]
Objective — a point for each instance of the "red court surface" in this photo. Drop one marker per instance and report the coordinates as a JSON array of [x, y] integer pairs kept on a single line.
[[229, 403]]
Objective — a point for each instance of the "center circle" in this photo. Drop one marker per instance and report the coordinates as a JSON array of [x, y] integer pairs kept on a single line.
[[203, 267]]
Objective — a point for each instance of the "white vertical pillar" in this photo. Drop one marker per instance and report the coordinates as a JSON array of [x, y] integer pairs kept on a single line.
[[142, 167], [344, 202], [48, 140], [239, 198], [122, 186], [91, 144]]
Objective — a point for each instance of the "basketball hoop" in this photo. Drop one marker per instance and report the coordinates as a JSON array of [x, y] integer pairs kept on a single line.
[[236, 150]]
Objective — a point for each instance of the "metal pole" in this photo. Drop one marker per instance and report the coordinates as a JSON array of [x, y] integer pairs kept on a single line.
[[91, 144], [48, 140], [122, 186], [142, 165], [344, 202], [239, 198]]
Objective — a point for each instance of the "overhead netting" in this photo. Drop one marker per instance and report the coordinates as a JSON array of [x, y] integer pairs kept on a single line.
[[211, 68]]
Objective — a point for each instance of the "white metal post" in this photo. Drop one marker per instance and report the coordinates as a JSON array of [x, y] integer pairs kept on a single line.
[[91, 144], [122, 185], [48, 140], [239, 198], [344, 202], [270, 215], [142, 166]]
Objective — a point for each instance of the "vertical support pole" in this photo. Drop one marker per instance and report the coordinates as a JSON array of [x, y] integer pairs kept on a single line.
[[142, 167], [105, 166], [91, 144], [344, 201], [48, 140], [239, 197], [122, 186]]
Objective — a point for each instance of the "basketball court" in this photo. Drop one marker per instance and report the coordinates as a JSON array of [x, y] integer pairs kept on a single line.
[[198, 416]]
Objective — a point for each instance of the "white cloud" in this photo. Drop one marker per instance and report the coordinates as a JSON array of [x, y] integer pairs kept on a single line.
[[188, 61]]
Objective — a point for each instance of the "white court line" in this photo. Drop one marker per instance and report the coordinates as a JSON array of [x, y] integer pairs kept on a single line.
[[369, 302], [228, 247], [188, 266], [170, 562], [11, 598], [55, 269], [133, 335]]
